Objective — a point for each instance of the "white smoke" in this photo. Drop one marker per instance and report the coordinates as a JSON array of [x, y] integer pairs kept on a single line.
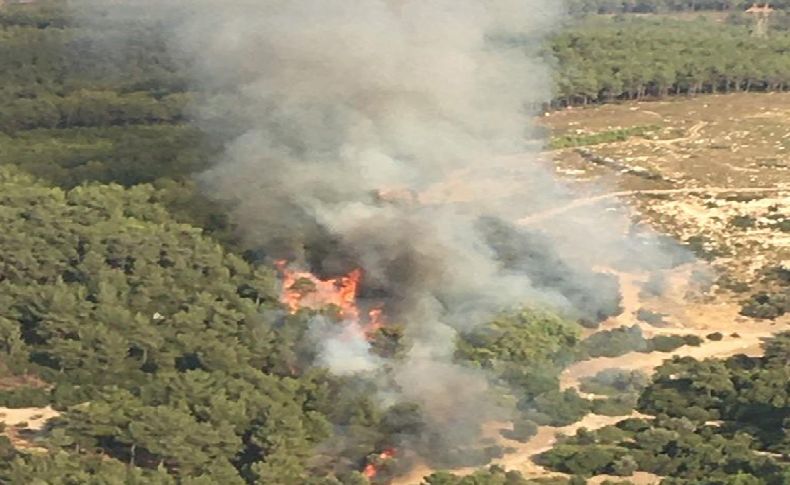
[[344, 347], [327, 101]]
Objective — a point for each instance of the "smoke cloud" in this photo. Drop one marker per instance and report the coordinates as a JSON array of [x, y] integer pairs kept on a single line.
[[327, 102]]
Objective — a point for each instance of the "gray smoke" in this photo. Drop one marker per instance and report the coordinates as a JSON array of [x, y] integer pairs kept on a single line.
[[326, 102]]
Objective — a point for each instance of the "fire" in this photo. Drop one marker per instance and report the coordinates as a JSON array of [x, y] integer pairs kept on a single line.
[[371, 470], [302, 289], [375, 321]]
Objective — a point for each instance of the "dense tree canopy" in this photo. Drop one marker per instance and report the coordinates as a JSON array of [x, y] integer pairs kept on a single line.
[[603, 59]]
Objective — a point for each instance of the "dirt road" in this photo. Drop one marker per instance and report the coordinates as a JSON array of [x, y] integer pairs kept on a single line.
[[587, 201]]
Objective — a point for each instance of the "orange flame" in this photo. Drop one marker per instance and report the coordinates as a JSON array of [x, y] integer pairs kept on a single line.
[[302, 289], [371, 470], [375, 322]]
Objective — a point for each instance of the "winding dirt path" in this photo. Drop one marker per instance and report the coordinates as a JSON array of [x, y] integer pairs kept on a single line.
[[521, 458], [587, 201], [749, 344], [692, 135]]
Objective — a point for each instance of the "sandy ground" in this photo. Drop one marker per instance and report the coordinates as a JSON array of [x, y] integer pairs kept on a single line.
[[24, 424], [35, 418]]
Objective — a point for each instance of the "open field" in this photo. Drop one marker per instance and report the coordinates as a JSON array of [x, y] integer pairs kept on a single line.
[[716, 169]]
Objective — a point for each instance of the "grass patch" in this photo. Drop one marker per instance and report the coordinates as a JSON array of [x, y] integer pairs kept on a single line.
[[610, 136]]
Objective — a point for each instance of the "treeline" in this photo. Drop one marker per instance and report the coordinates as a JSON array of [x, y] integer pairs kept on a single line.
[[604, 60], [657, 6]]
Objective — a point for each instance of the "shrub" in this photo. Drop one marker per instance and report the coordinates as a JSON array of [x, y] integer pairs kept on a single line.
[[622, 134], [715, 336], [767, 306], [653, 318], [557, 408], [666, 343], [24, 397], [582, 460], [625, 466], [613, 343], [523, 430], [614, 406], [614, 381], [743, 222], [692, 340]]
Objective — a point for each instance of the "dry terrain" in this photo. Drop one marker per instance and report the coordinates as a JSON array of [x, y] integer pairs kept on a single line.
[[715, 169]]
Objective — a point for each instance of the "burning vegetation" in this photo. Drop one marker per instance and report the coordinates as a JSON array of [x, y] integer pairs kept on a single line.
[[372, 469], [305, 290]]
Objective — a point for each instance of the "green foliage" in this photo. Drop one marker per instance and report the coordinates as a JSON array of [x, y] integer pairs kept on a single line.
[[62, 468], [622, 340], [584, 460], [614, 406], [715, 336], [653, 318], [611, 343], [526, 349], [129, 156], [622, 134], [604, 59], [768, 306], [743, 222], [523, 430], [556, 408], [494, 475], [156, 343], [24, 397], [585, 7], [748, 394]]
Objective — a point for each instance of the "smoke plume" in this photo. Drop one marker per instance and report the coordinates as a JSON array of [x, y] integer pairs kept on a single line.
[[329, 104]]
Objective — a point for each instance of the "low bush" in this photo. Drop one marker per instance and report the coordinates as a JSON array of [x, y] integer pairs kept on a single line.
[[614, 406], [614, 381], [715, 336], [556, 408], [767, 306], [24, 397]]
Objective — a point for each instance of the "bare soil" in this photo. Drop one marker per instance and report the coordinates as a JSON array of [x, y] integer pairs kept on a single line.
[[23, 425]]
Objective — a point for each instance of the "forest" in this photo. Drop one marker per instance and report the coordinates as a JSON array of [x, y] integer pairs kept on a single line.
[[603, 60], [129, 305]]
